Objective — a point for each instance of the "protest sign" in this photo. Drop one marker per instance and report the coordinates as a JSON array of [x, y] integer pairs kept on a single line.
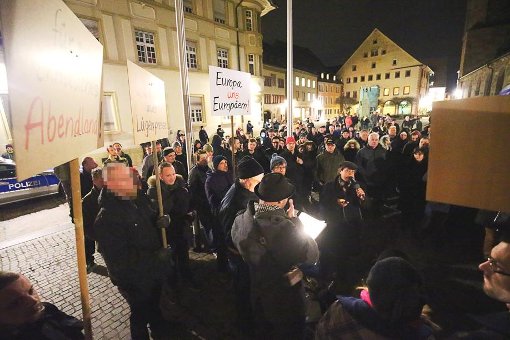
[[54, 68], [148, 105], [230, 92]]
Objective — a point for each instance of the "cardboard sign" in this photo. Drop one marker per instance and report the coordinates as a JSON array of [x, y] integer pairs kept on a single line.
[[469, 158], [148, 105], [54, 68], [230, 92]]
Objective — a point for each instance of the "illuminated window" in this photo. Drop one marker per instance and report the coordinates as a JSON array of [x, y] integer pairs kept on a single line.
[[407, 89], [297, 81], [197, 109], [145, 47], [222, 57], [309, 96], [313, 84], [386, 92], [191, 55], [303, 82], [249, 19], [309, 83], [110, 110], [251, 63], [396, 91]]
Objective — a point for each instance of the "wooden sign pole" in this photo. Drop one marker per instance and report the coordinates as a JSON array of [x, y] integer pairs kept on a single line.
[[158, 191]]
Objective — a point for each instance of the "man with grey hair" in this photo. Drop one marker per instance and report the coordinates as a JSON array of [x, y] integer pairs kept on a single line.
[[372, 166]]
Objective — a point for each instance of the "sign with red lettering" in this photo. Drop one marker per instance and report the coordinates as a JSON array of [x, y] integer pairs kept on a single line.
[[54, 67], [230, 92], [148, 104]]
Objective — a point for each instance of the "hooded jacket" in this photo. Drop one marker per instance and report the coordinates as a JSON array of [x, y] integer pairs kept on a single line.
[[271, 247]]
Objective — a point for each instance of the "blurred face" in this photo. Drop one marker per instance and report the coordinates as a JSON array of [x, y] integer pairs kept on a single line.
[[330, 148], [497, 285], [202, 160], [19, 303], [346, 174], [237, 144], [89, 164], [392, 131], [9, 149], [112, 151], [403, 135], [275, 143], [168, 175], [252, 146], [345, 134], [419, 156], [414, 138], [282, 144], [280, 169], [148, 150], [363, 135], [178, 150], [158, 147], [170, 158], [373, 140], [331, 129], [223, 166], [117, 147], [98, 182], [424, 142], [291, 146], [352, 145], [120, 181]]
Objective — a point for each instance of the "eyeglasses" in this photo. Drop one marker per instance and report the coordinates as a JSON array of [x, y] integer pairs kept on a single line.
[[494, 266]]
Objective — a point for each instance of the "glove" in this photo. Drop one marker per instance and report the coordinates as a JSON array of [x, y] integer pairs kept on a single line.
[[163, 222]]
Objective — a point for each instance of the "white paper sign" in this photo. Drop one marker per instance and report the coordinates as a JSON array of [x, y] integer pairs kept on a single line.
[[312, 226], [54, 68], [230, 92], [148, 105]]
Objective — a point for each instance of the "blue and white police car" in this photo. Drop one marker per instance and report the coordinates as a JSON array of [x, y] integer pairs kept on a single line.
[[45, 183]]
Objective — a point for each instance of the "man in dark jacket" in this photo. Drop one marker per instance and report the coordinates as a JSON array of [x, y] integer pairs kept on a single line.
[[199, 202], [24, 316], [255, 152], [90, 209], [328, 163], [295, 170], [87, 165], [216, 186], [169, 156], [272, 243], [372, 165], [249, 174], [130, 243], [176, 204], [203, 136]]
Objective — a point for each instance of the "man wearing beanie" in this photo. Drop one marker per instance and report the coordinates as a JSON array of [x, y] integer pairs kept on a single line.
[[169, 156], [272, 243], [250, 174], [389, 309], [217, 184], [254, 151], [278, 164]]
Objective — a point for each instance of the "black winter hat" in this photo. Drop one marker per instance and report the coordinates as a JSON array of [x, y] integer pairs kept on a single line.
[[217, 160], [248, 167], [395, 289], [168, 150], [274, 187], [348, 165]]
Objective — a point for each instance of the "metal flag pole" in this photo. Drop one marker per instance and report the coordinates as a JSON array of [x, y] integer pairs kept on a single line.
[[155, 161], [74, 169], [290, 73], [183, 71]]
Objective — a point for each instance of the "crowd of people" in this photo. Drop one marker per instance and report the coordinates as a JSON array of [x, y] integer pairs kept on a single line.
[[241, 200]]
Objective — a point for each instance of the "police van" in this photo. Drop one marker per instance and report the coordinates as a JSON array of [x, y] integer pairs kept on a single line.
[[45, 183]]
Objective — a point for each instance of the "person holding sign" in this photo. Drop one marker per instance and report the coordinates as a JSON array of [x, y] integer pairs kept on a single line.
[[272, 243], [128, 235]]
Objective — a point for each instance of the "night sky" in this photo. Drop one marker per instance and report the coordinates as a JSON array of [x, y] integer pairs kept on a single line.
[[333, 29]]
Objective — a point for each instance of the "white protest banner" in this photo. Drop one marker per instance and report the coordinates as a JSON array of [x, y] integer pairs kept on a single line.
[[148, 104], [230, 92], [54, 68]]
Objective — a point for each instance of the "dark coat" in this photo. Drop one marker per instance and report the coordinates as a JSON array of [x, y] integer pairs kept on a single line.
[[196, 183], [295, 172], [180, 169], [412, 188], [90, 209], [372, 165], [259, 157], [85, 182], [131, 244], [235, 201], [216, 186], [285, 246], [203, 136], [176, 204]]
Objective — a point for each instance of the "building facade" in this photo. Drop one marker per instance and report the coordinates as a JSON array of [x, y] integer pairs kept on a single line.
[[305, 95], [485, 58], [379, 62], [145, 32], [329, 93], [274, 93]]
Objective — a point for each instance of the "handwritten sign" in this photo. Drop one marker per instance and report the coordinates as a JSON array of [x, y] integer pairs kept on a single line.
[[230, 92], [54, 68], [148, 105]]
